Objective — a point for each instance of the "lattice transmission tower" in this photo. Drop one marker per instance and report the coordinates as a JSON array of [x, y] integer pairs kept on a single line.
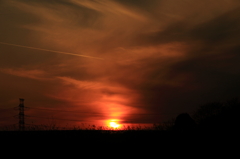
[[21, 115]]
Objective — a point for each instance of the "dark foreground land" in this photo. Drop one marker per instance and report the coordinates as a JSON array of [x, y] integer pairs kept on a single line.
[[138, 139], [121, 144], [214, 128], [118, 144]]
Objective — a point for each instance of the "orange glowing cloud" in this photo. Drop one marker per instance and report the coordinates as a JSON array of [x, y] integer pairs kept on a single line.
[[159, 57]]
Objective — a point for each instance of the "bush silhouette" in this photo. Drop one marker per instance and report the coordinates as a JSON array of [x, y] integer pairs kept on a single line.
[[184, 123]]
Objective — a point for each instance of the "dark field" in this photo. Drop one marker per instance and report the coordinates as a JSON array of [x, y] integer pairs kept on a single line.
[[213, 128], [139, 139]]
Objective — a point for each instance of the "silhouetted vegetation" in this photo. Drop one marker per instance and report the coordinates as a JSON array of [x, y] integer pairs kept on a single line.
[[184, 123], [218, 116], [212, 123]]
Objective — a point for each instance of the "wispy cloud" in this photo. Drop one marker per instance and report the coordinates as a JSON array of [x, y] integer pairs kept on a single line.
[[32, 74], [46, 50], [160, 56]]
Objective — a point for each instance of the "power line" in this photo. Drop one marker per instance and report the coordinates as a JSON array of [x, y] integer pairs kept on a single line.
[[6, 109], [67, 111], [53, 118], [5, 117], [8, 125], [58, 110], [22, 116]]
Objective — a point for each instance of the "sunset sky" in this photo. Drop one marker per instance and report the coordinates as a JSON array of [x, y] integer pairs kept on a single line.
[[132, 61]]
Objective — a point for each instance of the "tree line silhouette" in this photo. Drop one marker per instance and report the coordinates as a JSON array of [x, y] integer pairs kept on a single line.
[[211, 117]]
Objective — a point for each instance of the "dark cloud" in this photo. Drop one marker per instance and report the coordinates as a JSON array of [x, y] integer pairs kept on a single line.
[[208, 71], [223, 27]]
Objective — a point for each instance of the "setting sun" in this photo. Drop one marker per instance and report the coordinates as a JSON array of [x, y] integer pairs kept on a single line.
[[113, 124]]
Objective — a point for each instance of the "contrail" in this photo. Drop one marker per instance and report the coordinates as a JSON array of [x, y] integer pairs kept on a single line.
[[66, 53]]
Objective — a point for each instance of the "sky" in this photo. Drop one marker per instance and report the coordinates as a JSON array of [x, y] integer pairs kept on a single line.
[[129, 61]]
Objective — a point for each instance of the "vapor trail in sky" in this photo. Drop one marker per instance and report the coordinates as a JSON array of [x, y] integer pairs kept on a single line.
[[66, 53]]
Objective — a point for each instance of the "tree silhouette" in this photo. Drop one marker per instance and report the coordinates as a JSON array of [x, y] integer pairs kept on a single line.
[[184, 123], [218, 116], [207, 113]]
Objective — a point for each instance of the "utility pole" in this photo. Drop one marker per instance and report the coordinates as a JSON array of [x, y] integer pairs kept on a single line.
[[21, 115]]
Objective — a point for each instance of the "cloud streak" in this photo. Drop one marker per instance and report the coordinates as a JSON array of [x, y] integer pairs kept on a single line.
[[59, 52], [161, 57]]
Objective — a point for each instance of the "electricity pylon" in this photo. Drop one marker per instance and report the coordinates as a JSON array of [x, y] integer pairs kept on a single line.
[[21, 115]]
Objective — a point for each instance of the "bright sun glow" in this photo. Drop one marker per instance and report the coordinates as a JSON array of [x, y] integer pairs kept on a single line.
[[114, 124]]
